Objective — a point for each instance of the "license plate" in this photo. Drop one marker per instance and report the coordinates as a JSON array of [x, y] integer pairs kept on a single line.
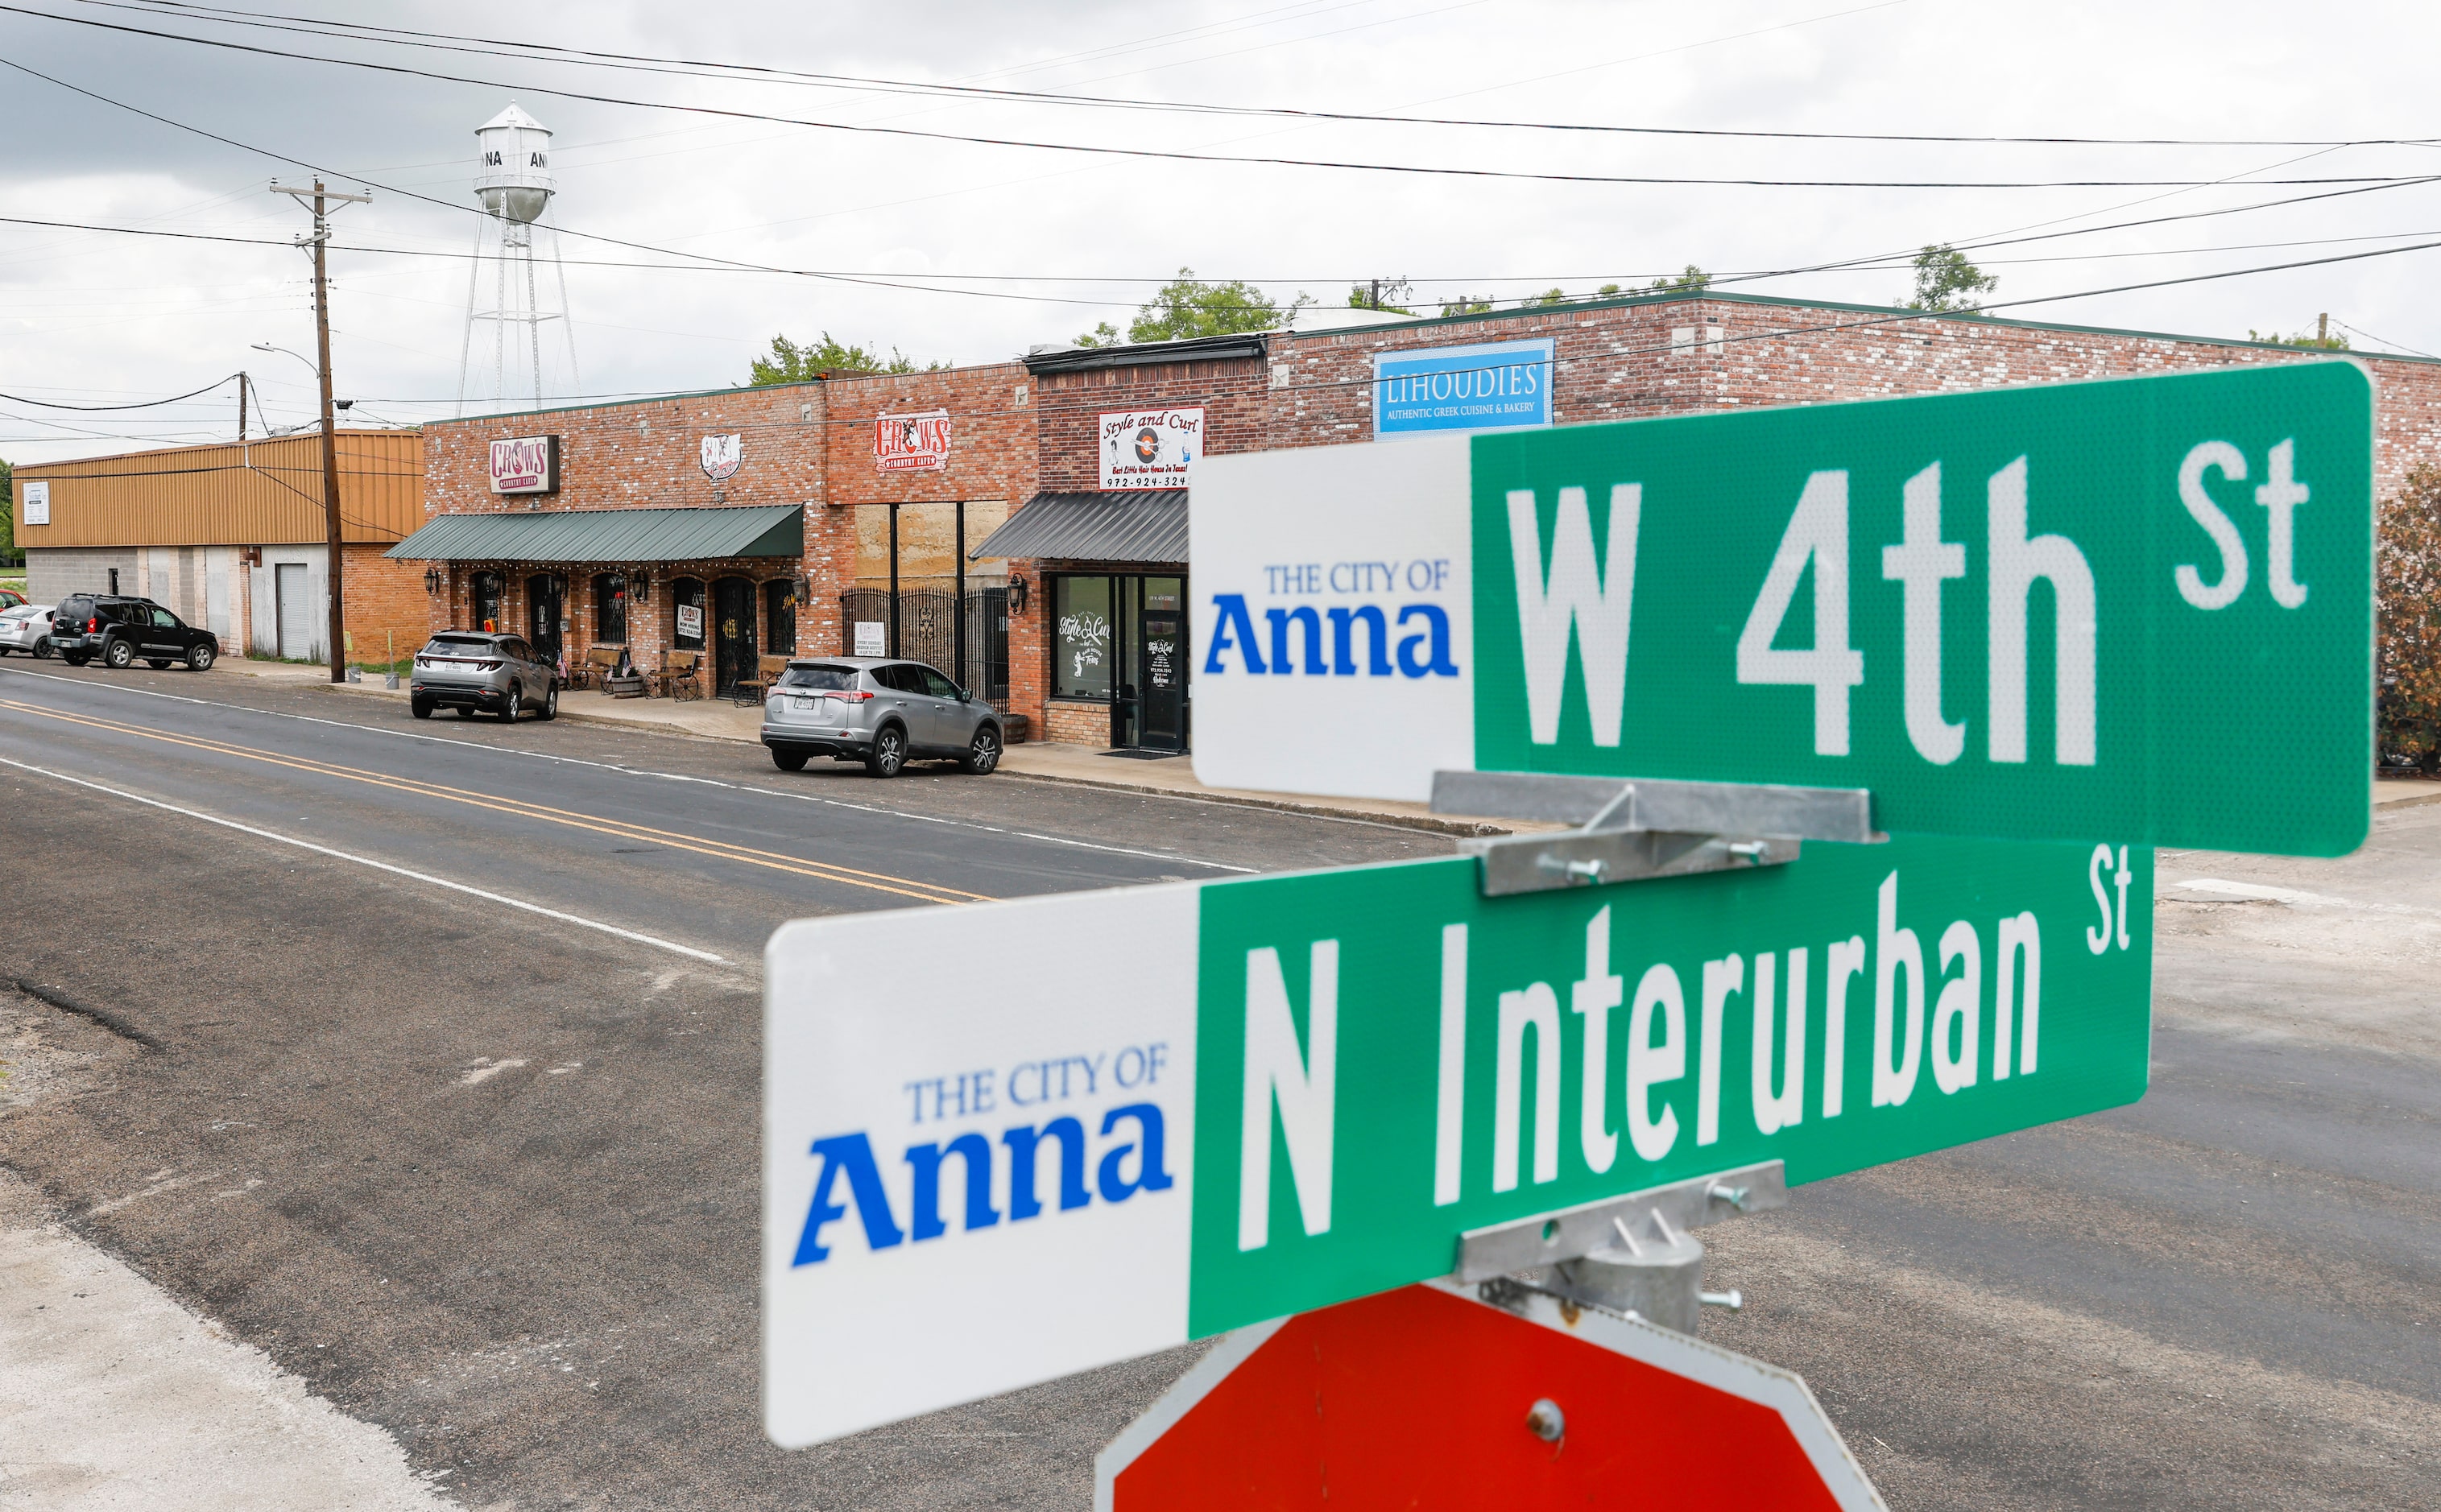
[[806, 706]]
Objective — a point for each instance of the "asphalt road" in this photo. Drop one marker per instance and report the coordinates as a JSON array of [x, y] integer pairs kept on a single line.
[[485, 1176]]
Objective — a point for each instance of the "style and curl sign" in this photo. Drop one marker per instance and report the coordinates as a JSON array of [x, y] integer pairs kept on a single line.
[[911, 443]]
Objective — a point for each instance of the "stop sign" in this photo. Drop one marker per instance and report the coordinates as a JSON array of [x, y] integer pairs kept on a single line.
[[1443, 1396]]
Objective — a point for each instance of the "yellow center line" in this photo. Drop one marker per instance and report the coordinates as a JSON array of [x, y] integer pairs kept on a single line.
[[617, 829]]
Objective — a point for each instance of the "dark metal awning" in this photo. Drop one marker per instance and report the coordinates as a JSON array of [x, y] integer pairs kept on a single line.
[[610, 536], [1137, 524]]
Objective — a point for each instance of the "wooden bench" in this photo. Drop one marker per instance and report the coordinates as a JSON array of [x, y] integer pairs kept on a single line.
[[677, 678], [600, 663], [754, 688]]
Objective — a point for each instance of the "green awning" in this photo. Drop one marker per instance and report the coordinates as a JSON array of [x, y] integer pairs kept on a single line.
[[610, 536]]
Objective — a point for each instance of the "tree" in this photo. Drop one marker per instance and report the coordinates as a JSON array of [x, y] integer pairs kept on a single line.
[[1188, 306], [1547, 297], [2322, 337], [1465, 305], [1944, 279], [791, 364], [2408, 615], [1694, 281]]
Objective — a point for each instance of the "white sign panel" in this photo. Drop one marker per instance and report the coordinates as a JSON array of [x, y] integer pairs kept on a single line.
[[722, 455], [1334, 591], [1150, 448], [691, 620], [38, 503], [870, 639], [525, 465], [911, 443], [893, 1282]]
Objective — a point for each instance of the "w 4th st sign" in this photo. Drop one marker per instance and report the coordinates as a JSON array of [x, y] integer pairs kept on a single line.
[[1307, 1087], [2037, 613]]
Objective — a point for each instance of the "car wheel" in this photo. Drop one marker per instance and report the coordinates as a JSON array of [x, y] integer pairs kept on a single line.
[[983, 754], [889, 751], [200, 658], [515, 706], [787, 760], [76, 659], [465, 713], [158, 663], [118, 655], [549, 709], [43, 649], [420, 708]]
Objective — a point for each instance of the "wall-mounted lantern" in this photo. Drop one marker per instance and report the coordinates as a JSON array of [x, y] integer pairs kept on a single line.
[[432, 581], [1017, 595]]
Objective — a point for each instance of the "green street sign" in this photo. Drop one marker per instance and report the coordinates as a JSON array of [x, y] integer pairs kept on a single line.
[[2140, 607], [1306, 1088]]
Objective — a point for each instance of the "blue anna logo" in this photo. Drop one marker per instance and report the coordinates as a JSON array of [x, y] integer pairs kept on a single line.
[[848, 1157], [1421, 652]]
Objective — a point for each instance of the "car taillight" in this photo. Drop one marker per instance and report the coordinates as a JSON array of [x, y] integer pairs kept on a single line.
[[487, 666], [92, 626]]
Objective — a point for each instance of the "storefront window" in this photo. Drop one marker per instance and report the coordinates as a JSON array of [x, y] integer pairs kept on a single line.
[[780, 597], [1080, 647], [485, 592], [611, 610], [686, 600]]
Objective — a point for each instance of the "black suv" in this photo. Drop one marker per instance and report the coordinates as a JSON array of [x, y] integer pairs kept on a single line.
[[119, 630]]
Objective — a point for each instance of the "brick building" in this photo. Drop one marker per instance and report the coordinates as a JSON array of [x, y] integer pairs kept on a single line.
[[695, 523], [1033, 515], [232, 537]]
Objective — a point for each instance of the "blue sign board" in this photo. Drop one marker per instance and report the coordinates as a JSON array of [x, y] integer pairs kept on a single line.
[[1496, 386]]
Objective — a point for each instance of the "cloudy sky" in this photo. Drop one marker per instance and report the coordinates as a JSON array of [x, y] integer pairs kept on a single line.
[[955, 227]]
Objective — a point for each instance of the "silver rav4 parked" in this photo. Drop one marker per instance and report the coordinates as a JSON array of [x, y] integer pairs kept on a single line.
[[467, 670], [884, 713]]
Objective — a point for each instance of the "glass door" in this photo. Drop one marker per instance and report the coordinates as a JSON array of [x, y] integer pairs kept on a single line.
[[1157, 656]]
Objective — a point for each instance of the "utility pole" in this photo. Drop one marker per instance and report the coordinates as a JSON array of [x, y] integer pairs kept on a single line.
[[318, 240]]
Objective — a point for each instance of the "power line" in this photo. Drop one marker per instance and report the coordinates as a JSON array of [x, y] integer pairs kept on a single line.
[[689, 67], [149, 403], [1167, 155]]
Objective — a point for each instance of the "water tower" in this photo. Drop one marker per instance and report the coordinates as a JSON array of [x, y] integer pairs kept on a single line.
[[513, 184]]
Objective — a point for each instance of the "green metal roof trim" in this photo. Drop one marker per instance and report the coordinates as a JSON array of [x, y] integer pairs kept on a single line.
[[610, 536]]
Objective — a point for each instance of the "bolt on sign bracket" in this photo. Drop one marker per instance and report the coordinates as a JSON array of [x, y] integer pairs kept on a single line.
[[1656, 1216], [1645, 827]]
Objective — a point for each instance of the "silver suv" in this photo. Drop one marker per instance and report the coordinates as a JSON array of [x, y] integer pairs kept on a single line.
[[881, 712], [467, 670]]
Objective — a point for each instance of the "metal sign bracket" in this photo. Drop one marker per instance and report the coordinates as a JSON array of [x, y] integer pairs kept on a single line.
[[1634, 1254], [1643, 827]]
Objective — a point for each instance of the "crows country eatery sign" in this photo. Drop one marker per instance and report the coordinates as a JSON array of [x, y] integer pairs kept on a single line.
[[2018, 612], [526, 464], [911, 443], [1316, 1083]]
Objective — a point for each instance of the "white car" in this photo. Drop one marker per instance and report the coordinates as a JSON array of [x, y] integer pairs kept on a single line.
[[28, 629]]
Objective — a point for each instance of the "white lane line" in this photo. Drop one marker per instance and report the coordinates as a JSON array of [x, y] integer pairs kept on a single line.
[[654, 940], [678, 776]]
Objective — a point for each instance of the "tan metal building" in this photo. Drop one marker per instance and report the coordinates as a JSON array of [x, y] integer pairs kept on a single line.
[[231, 536]]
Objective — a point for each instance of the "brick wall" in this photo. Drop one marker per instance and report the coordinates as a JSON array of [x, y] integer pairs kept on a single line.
[[1618, 361], [1238, 417], [992, 457], [385, 601]]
